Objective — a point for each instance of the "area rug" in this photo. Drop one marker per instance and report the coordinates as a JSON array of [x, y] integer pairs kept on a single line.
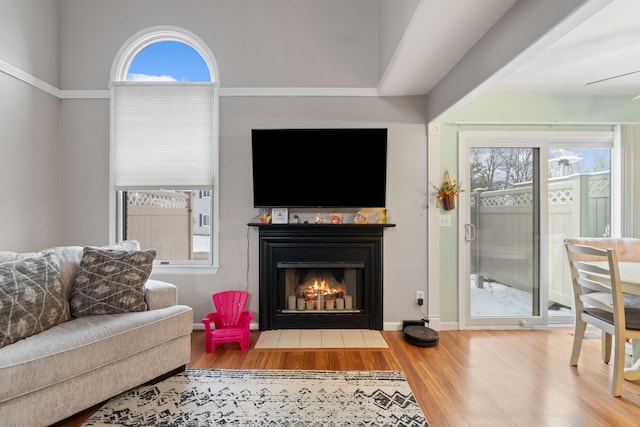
[[224, 397]]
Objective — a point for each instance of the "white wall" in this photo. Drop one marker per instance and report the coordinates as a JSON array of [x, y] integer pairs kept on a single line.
[[84, 152], [275, 43], [54, 159], [404, 245], [524, 30], [54, 154], [29, 39], [86, 217], [29, 126], [395, 16]]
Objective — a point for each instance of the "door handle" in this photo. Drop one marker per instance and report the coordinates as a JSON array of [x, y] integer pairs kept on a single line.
[[469, 232]]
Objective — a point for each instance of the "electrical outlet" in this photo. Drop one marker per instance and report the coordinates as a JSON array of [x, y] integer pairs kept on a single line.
[[419, 297], [445, 220]]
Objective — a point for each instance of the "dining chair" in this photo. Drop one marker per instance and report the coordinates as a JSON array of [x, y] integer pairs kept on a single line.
[[601, 305], [230, 320], [627, 249]]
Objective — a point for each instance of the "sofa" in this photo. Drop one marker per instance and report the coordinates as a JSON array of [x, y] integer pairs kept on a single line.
[[79, 325]]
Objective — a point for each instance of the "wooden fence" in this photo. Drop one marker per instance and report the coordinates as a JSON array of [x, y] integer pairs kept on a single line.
[[503, 250], [161, 220]]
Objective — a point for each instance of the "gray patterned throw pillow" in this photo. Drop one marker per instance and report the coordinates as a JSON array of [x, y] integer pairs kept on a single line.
[[111, 281], [32, 298]]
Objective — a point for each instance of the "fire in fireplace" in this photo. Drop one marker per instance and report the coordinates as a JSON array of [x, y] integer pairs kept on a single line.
[[326, 289]]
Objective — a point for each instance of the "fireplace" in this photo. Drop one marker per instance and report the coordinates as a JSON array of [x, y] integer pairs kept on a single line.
[[320, 276], [320, 286]]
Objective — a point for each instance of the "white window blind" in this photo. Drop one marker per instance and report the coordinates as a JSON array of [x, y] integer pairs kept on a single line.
[[162, 135]]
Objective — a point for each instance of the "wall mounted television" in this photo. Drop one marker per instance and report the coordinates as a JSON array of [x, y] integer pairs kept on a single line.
[[319, 168]]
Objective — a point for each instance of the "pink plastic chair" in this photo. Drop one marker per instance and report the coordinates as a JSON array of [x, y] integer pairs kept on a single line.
[[230, 320]]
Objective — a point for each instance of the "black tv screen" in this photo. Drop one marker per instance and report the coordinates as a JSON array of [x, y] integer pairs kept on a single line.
[[319, 168]]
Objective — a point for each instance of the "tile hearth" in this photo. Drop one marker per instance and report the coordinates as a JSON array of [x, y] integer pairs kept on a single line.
[[321, 338]]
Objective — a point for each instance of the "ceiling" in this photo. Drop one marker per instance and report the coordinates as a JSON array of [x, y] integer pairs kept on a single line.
[[604, 45], [440, 33]]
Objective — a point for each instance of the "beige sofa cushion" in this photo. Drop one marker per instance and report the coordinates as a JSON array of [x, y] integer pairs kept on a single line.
[[159, 294], [32, 298], [85, 344]]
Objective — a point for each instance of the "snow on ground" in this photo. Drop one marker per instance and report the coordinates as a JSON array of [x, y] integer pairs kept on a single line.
[[496, 299]]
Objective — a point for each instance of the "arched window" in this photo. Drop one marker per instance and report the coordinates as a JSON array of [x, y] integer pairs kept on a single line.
[[168, 61], [164, 145]]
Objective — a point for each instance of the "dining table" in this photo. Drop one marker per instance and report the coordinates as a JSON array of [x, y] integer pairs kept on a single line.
[[630, 281]]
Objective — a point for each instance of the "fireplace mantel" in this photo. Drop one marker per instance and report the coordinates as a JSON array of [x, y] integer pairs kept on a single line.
[[321, 227], [323, 243]]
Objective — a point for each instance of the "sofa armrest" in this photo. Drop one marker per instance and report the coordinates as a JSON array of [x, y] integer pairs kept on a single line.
[[159, 294]]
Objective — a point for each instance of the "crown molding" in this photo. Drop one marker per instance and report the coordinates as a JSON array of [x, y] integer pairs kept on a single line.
[[297, 91], [224, 91], [29, 79]]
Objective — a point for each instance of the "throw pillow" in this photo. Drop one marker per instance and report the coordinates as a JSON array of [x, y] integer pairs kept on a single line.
[[111, 281], [32, 298]]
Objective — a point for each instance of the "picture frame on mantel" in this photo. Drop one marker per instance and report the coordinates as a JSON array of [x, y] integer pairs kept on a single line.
[[280, 216]]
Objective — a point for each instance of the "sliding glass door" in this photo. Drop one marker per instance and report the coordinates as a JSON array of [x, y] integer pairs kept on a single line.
[[513, 270]]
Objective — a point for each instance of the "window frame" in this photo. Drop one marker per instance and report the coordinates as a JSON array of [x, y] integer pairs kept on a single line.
[[119, 71]]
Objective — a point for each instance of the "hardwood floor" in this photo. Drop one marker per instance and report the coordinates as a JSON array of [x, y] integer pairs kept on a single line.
[[471, 378]]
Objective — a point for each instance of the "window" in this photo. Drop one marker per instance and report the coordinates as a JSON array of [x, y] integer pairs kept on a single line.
[[205, 220], [164, 146]]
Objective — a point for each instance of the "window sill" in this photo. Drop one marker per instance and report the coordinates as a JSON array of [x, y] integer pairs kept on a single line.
[[183, 269]]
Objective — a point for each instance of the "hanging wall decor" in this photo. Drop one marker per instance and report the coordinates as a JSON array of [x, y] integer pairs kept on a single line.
[[447, 192]]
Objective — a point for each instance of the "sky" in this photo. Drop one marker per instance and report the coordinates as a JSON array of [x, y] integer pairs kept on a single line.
[[169, 61]]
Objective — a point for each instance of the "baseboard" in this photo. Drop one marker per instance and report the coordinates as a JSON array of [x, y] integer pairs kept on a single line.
[[387, 326]]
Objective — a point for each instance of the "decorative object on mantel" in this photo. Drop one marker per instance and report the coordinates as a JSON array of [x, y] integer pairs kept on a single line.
[[336, 218], [265, 216], [279, 216], [447, 192], [360, 218]]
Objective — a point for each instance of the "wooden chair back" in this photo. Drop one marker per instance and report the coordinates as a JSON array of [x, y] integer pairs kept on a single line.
[[591, 295], [627, 248], [599, 301]]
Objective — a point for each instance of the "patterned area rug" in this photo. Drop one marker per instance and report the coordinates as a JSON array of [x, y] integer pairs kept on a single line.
[[222, 397]]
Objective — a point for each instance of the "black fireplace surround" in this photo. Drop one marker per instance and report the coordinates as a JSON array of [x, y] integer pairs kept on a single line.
[[339, 251]]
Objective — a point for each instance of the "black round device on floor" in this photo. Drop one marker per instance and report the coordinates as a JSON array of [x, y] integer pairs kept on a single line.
[[420, 336]]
